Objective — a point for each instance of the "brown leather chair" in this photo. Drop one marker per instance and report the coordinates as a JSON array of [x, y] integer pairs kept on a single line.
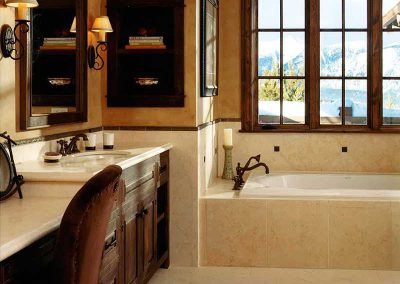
[[83, 229]]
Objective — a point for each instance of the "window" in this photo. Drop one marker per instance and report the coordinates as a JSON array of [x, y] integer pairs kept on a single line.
[[321, 65], [281, 62]]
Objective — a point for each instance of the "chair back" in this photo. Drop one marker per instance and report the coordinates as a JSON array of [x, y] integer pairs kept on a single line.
[[83, 229]]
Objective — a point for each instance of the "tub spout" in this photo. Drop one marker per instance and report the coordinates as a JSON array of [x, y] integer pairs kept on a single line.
[[239, 182]]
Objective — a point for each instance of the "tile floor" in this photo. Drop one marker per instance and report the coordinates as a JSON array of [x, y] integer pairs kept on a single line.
[[222, 275]]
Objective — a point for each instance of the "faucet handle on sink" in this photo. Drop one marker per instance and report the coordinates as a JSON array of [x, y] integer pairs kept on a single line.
[[63, 146]]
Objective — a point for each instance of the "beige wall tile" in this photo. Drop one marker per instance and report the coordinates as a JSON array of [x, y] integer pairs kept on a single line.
[[297, 234], [396, 235], [236, 233], [360, 235]]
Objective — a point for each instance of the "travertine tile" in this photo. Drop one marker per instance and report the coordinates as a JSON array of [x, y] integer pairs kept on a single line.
[[297, 234], [236, 233], [360, 235], [396, 235]]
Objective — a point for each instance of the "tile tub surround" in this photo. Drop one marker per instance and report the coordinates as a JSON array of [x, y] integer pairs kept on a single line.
[[314, 152], [298, 233]]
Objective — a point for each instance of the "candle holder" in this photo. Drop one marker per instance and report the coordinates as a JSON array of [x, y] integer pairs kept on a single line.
[[228, 167]]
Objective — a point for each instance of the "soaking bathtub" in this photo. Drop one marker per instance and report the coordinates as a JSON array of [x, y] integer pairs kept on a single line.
[[310, 185]]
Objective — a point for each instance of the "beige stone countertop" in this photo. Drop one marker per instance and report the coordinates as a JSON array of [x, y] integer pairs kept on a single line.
[[80, 168], [24, 221], [47, 193]]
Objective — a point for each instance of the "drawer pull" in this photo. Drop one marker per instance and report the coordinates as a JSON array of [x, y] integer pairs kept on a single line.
[[111, 241], [163, 169]]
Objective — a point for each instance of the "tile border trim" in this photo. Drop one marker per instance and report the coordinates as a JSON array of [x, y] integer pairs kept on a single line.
[[123, 128]]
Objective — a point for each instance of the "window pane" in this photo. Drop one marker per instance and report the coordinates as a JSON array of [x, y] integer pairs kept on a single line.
[[330, 101], [356, 14], [391, 102], [331, 54], [390, 19], [294, 101], [356, 54], [269, 54], [269, 109], [391, 54], [293, 14], [356, 102], [331, 14], [293, 53], [269, 14]]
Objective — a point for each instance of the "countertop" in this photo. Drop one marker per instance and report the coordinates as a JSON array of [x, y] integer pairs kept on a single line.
[[22, 222], [81, 172]]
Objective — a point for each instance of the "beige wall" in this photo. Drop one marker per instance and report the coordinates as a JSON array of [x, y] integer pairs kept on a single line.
[[9, 95]]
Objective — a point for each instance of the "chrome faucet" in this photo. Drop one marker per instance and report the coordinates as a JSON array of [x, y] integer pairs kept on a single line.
[[239, 182], [71, 148]]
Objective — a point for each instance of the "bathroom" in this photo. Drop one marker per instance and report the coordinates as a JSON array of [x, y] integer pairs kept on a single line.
[[327, 212]]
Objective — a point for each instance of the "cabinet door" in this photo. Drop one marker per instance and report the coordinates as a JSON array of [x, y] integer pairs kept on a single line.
[[149, 236], [131, 250]]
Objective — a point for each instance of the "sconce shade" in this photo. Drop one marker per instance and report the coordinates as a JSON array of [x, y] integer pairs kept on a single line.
[[73, 26], [102, 24], [22, 3]]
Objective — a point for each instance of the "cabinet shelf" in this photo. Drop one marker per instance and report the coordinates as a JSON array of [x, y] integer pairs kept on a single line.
[[130, 18], [145, 51]]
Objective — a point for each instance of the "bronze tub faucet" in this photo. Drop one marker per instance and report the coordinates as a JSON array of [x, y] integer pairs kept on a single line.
[[239, 182]]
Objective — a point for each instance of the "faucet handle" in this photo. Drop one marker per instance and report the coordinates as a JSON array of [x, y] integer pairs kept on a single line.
[[63, 145]]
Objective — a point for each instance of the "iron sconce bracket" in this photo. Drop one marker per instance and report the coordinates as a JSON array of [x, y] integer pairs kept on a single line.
[[95, 60], [9, 39]]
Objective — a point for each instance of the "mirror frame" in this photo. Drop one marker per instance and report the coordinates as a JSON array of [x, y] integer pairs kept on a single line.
[[29, 121]]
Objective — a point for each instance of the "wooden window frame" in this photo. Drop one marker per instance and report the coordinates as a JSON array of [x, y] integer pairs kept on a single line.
[[312, 74]]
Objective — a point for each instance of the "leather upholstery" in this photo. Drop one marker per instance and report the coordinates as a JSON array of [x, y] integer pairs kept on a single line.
[[83, 230]]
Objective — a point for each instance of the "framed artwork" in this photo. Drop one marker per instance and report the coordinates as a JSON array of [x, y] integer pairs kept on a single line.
[[209, 47]]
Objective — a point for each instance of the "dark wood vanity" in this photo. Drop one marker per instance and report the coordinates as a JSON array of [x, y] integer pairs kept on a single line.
[[137, 241]]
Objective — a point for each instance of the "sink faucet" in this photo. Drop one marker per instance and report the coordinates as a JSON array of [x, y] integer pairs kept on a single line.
[[239, 182], [71, 148]]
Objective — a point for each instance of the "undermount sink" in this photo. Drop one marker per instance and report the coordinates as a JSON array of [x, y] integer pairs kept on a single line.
[[94, 159], [101, 154]]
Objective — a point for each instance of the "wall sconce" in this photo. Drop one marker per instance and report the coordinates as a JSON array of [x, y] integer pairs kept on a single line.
[[8, 36], [101, 25]]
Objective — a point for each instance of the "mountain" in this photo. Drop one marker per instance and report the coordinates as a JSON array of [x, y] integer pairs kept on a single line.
[[356, 65]]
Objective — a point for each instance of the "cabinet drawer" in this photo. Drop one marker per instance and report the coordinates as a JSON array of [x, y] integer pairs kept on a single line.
[[136, 175], [109, 267], [134, 198]]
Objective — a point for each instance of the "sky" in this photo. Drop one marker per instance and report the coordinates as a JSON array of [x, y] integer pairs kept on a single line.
[[331, 17]]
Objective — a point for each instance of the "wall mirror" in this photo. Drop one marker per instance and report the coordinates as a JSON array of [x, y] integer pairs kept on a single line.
[[53, 73]]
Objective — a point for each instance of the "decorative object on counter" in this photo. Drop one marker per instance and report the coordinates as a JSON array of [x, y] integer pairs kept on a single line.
[[146, 81], [239, 181], [108, 141], [209, 45], [72, 147], [10, 181], [73, 26], [101, 25], [228, 147], [8, 36], [60, 81], [52, 157], [90, 143], [228, 166]]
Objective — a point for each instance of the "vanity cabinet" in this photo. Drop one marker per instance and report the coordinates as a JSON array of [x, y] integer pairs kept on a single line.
[[137, 239]]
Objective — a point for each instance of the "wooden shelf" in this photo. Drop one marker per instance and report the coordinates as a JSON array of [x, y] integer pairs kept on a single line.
[[56, 51], [145, 51]]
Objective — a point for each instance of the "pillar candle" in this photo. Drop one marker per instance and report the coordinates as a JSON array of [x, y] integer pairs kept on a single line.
[[228, 141]]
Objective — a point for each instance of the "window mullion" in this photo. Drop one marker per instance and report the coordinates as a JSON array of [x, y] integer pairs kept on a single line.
[[313, 63], [375, 34]]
